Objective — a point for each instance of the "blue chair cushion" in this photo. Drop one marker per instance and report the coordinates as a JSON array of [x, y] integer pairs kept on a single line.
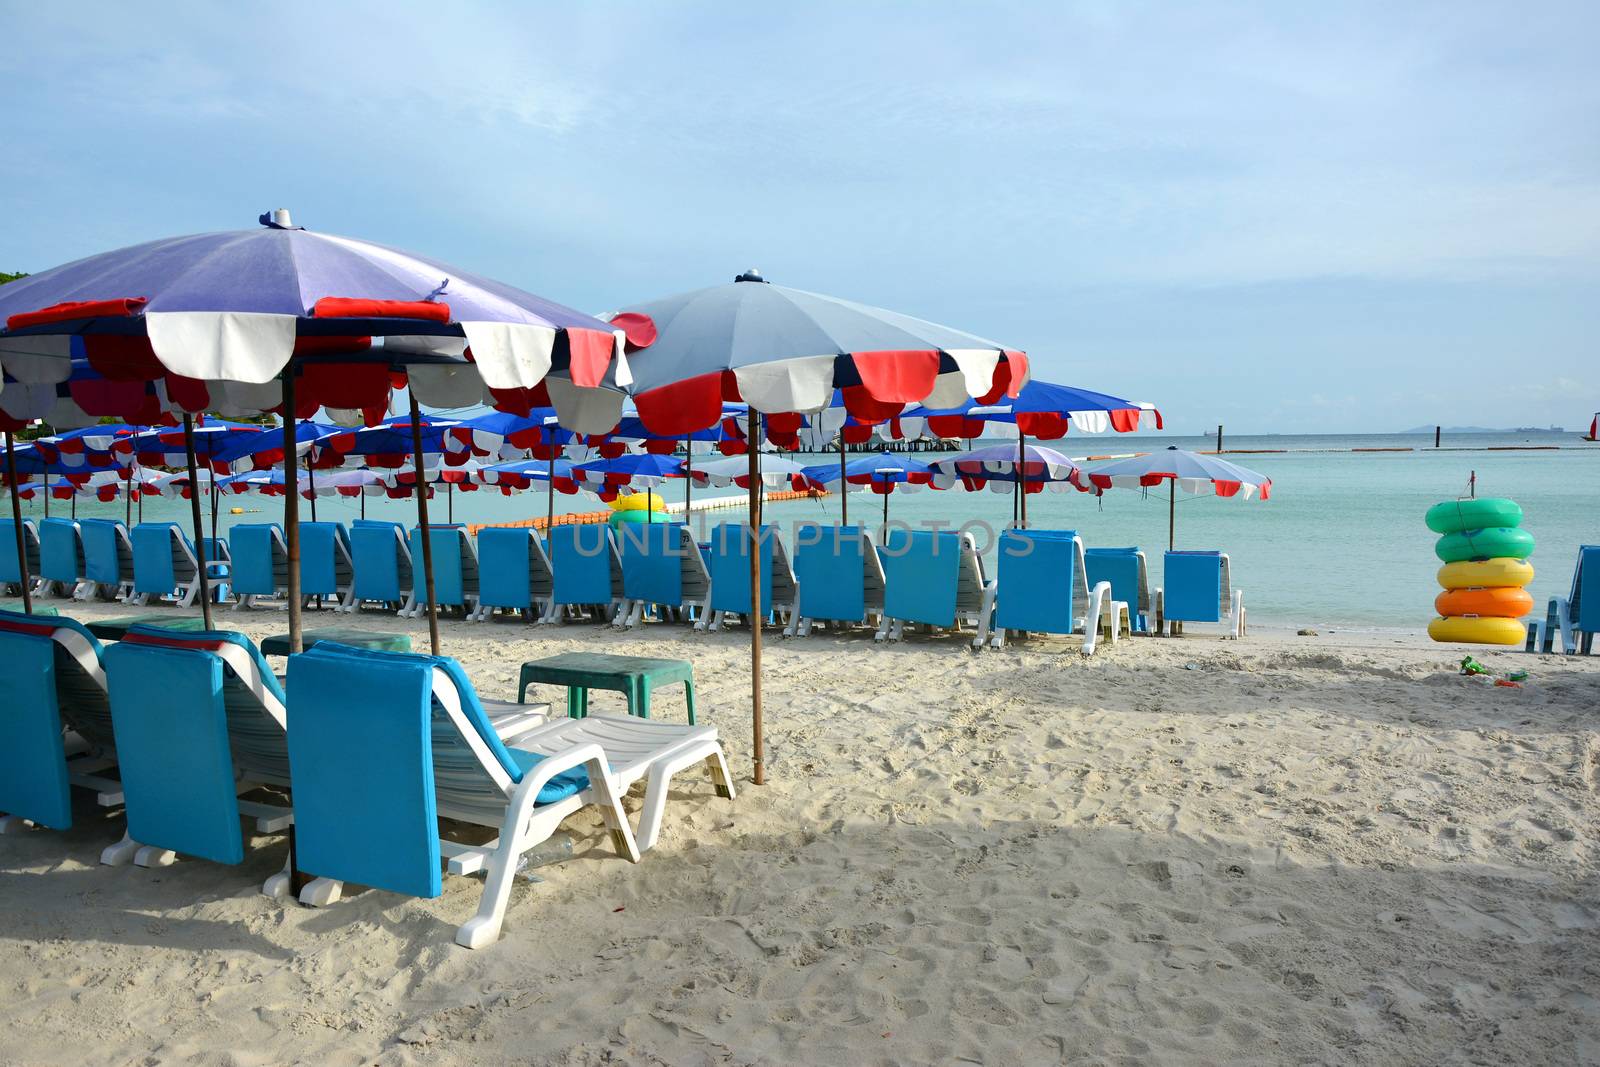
[[828, 566], [253, 570], [1586, 587], [10, 571], [449, 584], [920, 571], [100, 557], [730, 568], [1192, 586], [319, 556], [504, 576], [375, 549], [33, 764], [1037, 576], [60, 553], [580, 557], [651, 571]]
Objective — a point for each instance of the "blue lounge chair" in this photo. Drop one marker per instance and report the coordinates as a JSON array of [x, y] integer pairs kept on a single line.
[[10, 572], [199, 720], [1577, 615], [839, 574], [1129, 576], [1196, 587], [513, 572], [164, 565], [327, 570], [455, 570], [55, 721], [729, 566], [107, 560], [587, 569], [429, 751], [260, 562], [60, 557], [661, 566], [933, 578], [382, 559], [219, 568], [1043, 587]]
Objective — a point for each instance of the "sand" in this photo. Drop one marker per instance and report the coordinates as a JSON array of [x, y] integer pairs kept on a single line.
[[1287, 849]]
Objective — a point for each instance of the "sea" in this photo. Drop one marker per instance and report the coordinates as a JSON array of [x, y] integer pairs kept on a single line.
[[1341, 543]]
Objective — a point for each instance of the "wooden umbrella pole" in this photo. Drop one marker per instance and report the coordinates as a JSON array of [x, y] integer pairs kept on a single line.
[[755, 599], [16, 523], [844, 488], [194, 513], [422, 521], [291, 510]]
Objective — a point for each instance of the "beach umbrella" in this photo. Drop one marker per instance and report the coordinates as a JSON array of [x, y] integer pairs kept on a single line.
[[213, 319], [882, 473], [208, 437], [521, 474], [636, 470], [1042, 410], [784, 352], [1029, 467], [1190, 471]]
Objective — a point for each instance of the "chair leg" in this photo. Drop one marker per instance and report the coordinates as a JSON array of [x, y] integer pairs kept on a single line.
[[121, 853], [13, 824], [151, 856], [321, 892], [277, 886]]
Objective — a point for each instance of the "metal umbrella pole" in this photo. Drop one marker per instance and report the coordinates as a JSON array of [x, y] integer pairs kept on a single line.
[[422, 521], [549, 496], [194, 513], [755, 601], [844, 490], [1172, 512], [1022, 476], [291, 510], [311, 484], [688, 475], [16, 524]]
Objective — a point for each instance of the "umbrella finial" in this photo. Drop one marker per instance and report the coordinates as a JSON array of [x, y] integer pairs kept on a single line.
[[751, 275], [278, 219]]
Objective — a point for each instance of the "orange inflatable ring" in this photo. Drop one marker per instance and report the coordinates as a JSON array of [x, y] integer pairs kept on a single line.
[[1500, 602]]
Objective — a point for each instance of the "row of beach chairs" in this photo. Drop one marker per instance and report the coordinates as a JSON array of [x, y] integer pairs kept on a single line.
[[1043, 581], [189, 734]]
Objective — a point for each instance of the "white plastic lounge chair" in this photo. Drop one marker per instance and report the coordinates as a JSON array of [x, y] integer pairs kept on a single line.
[[729, 567], [587, 572], [1197, 588], [1043, 587], [662, 566], [514, 573], [164, 565], [840, 577], [429, 751], [1577, 615], [55, 721], [455, 571], [383, 566], [933, 579]]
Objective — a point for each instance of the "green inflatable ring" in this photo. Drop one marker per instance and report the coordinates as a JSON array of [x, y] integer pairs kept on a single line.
[[620, 517], [1496, 541], [1453, 516]]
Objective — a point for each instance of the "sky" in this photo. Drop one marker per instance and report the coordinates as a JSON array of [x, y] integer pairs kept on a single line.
[[1282, 217]]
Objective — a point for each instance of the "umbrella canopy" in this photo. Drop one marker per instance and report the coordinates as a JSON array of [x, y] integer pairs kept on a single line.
[[783, 350], [390, 444], [1179, 468], [266, 449], [269, 482], [1041, 409], [880, 472], [735, 470], [1002, 466], [644, 470], [154, 445], [523, 473]]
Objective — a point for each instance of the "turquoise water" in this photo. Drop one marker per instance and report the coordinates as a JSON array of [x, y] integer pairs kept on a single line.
[[1341, 541]]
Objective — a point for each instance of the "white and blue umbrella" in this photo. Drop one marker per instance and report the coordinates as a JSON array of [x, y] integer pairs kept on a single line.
[[1179, 468], [881, 473]]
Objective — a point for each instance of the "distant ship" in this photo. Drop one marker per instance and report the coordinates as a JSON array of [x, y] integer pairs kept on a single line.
[[1538, 429]]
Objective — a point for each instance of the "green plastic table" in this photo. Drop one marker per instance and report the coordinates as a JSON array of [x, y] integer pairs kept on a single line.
[[116, 629], [38, 608], [278, 644], [633, 676]]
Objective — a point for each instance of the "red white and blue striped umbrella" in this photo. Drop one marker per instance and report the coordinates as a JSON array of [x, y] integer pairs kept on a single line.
[[1042, 410], [1190, 471]]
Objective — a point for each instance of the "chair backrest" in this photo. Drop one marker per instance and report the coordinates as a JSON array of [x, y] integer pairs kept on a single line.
[[107, 552], [163, 559], [1040, 576], [216, 549], [584, 561], [254, 701], [728, 563], [651, 569], [324, 559], [455, 562], [1193, 589], [831, 565], [60, 551], [9, 571], [922, 569], [427, 748], [1125, 569], [50, 673], [172, 750], [1585, 600], [512, 568], [260, 559], [382, 560]]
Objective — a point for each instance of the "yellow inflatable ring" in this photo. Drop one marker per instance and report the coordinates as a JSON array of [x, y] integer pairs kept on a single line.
[[637, 502], [1469, 629], [1485, 573]]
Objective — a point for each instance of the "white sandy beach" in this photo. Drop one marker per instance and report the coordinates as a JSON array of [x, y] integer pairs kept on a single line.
[[1318, 850]]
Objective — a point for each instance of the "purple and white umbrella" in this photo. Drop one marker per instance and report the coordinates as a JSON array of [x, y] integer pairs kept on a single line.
[[1033, 467], [1190, 471]]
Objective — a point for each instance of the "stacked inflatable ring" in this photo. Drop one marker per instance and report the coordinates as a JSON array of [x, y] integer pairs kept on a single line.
[[638, 507], [1485, 554]]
